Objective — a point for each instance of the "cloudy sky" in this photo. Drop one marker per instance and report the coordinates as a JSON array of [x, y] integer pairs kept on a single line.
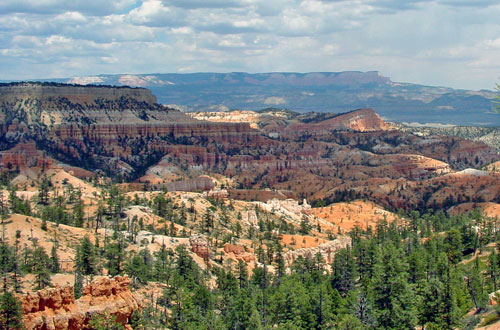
[[453, 43]]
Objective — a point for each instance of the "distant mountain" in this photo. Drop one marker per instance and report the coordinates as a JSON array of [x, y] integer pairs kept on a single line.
[[318, 91]]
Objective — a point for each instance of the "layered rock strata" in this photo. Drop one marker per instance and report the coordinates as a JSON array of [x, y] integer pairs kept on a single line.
[[56, 309]]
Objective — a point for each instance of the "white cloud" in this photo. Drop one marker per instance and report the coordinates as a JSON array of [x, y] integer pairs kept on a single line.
[[232, 41], [154, 13], [492, 44], [443, 42], [91, 7], [70, 17]]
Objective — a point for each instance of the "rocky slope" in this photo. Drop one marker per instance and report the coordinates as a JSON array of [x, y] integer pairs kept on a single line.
[[320, 156], [264, 191], [359, 120], [56, 308], [100, 127], [314, 91], [488, 135]]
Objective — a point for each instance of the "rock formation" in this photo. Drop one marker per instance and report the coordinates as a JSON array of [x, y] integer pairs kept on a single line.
[[74, 93], [327, 251], [56, 309], [25, 155], [199, 245], [238, 252], [318, 156]]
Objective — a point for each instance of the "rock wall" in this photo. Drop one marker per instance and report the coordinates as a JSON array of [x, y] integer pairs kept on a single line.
[[24, 155], [327, 250], [115, 132], [200, 183], [77, 93], [237, 252], [199, 245], [56, 309], [362, 120]]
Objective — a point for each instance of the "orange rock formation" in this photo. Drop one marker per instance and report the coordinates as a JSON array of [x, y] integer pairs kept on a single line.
[[56, 309]]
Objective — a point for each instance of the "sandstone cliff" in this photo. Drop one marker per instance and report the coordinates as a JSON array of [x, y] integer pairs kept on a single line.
[[332, 157], [75, 93], [56, 308], [116, 129], [326, 250]]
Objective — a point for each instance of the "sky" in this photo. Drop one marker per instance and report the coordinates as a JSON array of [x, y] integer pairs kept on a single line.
[[453, 43]]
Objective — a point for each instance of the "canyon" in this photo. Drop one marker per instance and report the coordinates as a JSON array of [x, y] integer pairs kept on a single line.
[[319, 156], [271, 192]]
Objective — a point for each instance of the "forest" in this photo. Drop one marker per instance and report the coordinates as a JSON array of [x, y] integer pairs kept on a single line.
[[425, 272]]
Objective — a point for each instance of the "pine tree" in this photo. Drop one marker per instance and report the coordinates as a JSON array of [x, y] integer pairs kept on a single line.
[[115, 253], [162, 267], [136, 320], [493, 268], [280, 262], [41, 268], [350, 322], [393, 296], [54, 259], [475, 285], [78, 287], [79, 214], [242, 274], [255, 321], [344, 272], [208, 219], [43, 191], [450, 313], [363, 308], [10, 312], [15, 263], [453, 246], [3, 207], [139, 267], [305, 226], [5, 262], [105, 322], [85, 260]]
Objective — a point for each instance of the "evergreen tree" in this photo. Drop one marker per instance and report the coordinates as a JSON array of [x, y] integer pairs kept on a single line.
[[475, 285], [393, 296], [10, 312], [350, 322], [453, 246], [139, 266], [105, 322], [208, 219], [78, 287], [305, 226], [493, 268], [15, 263], [242, 274], [6, 257], [115, 255], [255, 322], [136, 320], [85, 260], [41, 267], [162, 266], [344, 271], [54, 259], [43, 191], [450, 313], [78, 214], [291, 304]]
